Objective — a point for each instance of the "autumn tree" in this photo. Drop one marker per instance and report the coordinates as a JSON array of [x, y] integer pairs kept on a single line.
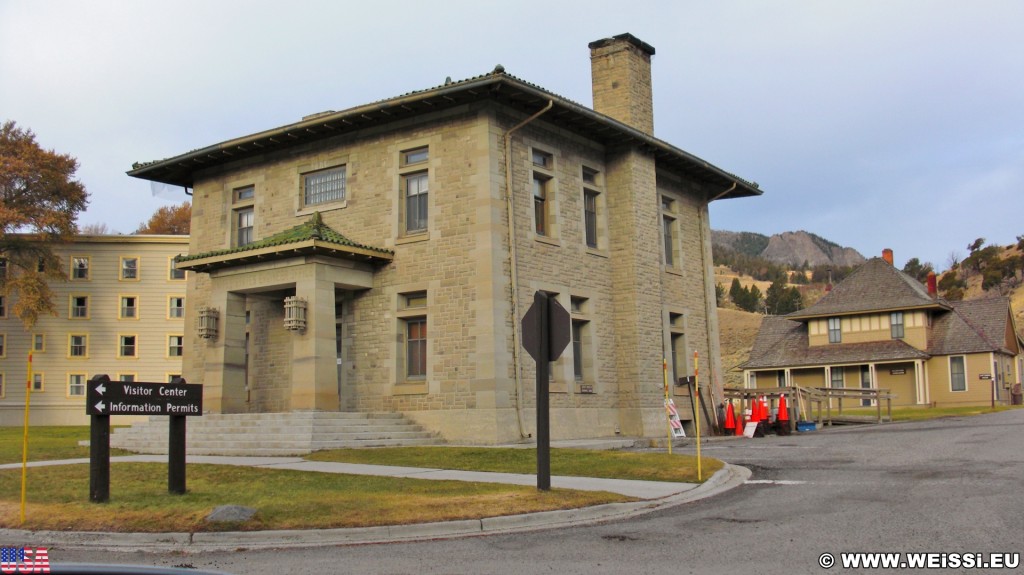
[[171, 220], [39, 202], [94, 230]]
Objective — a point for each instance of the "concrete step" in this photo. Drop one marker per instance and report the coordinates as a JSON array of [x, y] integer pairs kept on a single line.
[[276, 433]]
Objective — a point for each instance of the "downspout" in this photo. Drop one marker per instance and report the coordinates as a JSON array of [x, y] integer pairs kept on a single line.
[[710, 297], [513, 263]]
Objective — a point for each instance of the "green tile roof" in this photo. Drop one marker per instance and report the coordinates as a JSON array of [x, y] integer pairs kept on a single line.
[[310, 237]]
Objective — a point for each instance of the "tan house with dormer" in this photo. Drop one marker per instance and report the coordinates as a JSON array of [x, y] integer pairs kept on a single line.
[[882, 329], [380, 258]]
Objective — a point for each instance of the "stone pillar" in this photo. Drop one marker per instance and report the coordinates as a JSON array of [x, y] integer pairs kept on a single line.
[[224, 369], [635, 244], [314, 357]]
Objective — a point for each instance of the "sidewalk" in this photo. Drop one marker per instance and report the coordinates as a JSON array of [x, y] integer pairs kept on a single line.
[[655, 495]]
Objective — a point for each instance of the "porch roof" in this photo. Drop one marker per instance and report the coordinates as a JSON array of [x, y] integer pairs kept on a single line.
[[312, 237]]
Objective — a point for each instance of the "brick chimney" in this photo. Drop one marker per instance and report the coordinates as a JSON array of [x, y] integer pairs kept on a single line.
[[933, 289], [887, 256], [620, 71]]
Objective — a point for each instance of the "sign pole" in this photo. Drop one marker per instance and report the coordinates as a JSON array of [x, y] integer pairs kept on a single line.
[[99, 451], [543, 392], [176, 455], [664, 371], [696, 382], [24, 440]]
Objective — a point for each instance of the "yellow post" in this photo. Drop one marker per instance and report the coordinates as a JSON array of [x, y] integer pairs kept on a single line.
[[696, 385], [668, 415], [24, 442]]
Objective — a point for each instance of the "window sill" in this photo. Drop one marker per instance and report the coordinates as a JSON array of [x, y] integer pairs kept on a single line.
[[413, 238], [411, 388], [672, 270], [546, 240], [309, 210]]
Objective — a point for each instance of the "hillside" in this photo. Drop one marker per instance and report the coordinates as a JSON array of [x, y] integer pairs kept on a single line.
[[789, 248]]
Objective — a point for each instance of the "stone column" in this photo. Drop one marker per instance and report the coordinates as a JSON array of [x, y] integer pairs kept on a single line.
[[314, 363], [224, 368]]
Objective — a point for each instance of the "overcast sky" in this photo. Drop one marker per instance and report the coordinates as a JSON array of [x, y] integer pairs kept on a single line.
[[874, 124]]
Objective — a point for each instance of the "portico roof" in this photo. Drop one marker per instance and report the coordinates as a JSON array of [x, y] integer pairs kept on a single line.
[[310, 238]]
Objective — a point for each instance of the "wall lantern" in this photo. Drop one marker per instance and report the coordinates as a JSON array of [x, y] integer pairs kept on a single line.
[[295, 313], [208, 317]]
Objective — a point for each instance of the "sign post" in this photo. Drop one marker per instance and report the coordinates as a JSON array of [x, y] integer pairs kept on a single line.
[[105, 398], [546, 332]]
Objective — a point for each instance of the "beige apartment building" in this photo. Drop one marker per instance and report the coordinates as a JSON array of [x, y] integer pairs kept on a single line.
[[380, 258], [120, 313]]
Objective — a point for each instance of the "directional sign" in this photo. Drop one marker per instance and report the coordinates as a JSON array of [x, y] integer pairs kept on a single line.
[[142, 398]]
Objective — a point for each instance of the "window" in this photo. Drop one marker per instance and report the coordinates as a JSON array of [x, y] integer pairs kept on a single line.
[[415, 156], [173, 273], [416, 347], [129, 307], [126, 346], [38, 342], [540, 204], [80, 268], [896, 324], [324, 186], [175, 345], [667, 224], [542, 159], [835, 333], [3, 388], [957, 373], [578, 326], [245, 218], [37, 381], [415, 299], [244, 193], [76, 385], [3, 346], [836, 378], [126, 377], [3, 307], [3, 268], [175, 307], [669, 235], [79, 307], [590, 217], [130, 269], [78, 345], [172, 376], [416, 196]]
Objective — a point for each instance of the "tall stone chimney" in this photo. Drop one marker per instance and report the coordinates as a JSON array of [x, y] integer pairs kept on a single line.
[[620, 71]]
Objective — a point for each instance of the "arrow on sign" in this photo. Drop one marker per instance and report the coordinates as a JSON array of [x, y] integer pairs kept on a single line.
[[101, 389], [100, 407]]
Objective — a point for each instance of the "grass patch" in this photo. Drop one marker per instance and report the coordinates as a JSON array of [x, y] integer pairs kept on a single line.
[[569, 462], [46, 443], [139, 502], [923, 413]]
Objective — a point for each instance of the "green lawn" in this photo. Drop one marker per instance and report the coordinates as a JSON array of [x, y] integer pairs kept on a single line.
[[45, 443]]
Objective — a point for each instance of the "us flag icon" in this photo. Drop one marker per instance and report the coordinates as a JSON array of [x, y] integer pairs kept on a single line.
[[24, 560]]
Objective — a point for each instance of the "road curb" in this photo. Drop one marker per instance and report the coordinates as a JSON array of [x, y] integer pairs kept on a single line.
[[725, 479]]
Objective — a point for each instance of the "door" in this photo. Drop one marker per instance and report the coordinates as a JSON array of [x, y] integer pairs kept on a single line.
[[865, 383]]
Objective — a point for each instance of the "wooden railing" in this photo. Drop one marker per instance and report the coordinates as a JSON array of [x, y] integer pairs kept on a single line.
[[815, 404]]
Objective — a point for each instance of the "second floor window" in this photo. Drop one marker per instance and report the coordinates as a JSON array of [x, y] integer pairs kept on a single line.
[[126, 346], [896, 324], [129, 268], [129, 307], [245, 219], [835, 333], [78, 346], [324, 186], [79, 307], [416, 195], [176, 307], [79, 268]]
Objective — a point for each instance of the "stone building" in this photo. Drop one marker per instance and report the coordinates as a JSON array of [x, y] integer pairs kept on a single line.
[[380, 258], [120, 313]]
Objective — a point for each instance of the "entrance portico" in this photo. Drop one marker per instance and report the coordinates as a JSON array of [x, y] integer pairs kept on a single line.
[[274, 303]]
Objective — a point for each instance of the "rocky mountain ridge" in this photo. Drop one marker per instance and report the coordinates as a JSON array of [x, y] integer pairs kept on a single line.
[[789, 248]]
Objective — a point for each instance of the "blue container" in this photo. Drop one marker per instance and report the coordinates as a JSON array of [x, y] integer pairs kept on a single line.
[[806, 426]]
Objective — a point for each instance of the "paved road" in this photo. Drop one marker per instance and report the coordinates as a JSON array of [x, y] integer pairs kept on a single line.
[[945, 486]]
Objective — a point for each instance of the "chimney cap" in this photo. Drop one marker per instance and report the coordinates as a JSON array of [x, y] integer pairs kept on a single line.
[[628, 38]]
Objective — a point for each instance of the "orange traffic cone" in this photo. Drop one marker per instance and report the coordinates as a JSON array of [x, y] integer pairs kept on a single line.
[[782, 420], [739, 422], [765, 414], [730, 418]]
